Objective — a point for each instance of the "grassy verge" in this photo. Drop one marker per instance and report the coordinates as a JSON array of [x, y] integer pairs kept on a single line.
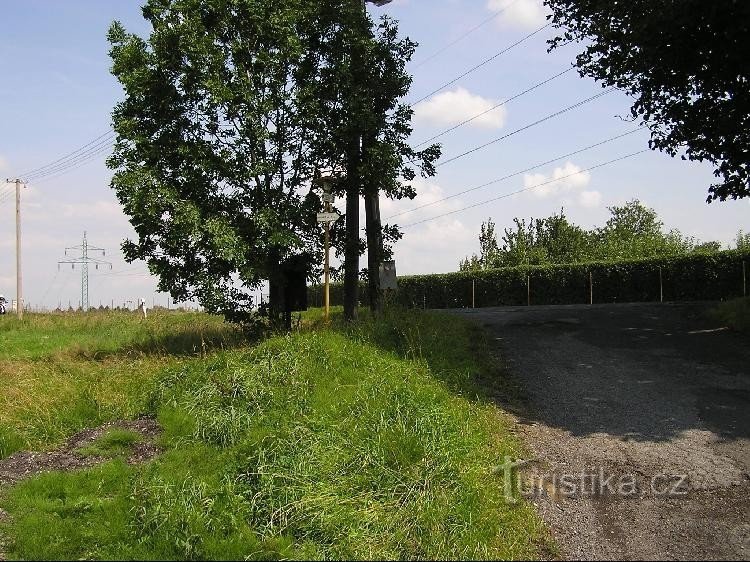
[[735, 313], [333, 442]]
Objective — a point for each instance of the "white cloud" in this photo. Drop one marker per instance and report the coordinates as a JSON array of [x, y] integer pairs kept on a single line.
[[563, 180], [456, 106], [99, 209], [590, 199], [428, 193], [526, 14], [433, 246]]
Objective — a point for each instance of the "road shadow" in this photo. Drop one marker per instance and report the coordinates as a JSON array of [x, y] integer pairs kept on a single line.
[[645, 372]]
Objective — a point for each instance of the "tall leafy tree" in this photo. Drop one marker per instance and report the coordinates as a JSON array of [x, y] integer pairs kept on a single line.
[[231, 108], [488, 250], [684, 63], [213, 155], [635, 231], [742, 241], [356, 81]]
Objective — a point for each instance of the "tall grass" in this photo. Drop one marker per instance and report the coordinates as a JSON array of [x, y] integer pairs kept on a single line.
[[735, 313], [334, 442]]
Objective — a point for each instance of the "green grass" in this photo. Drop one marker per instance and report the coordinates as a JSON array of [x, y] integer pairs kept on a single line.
[[373, 441], [99, 334], [735, 313], [114, 443], [61, 373]]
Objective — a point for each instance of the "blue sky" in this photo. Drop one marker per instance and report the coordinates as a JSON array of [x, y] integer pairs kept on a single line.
[[57, 94]]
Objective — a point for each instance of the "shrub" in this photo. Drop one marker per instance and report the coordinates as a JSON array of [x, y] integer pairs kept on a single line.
[[714, 276]]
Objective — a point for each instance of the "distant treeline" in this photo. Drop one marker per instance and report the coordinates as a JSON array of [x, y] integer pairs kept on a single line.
[[632, 232]]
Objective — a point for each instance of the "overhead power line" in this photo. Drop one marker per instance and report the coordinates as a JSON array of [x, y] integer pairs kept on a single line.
[[465, 35], [79, 160], [525, 127], [516, 174], [506, 195], [494, 107], [66, 157], [481, 64], [7, 195]]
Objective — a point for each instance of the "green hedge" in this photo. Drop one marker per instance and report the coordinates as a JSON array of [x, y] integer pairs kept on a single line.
[[714, 276]]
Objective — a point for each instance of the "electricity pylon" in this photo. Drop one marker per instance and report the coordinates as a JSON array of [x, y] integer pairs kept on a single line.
[[84, 260]]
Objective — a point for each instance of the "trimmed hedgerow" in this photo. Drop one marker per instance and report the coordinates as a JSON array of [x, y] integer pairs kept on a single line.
[[715, 276]]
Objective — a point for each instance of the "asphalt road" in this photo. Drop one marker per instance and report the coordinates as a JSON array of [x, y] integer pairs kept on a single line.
[[638, 416]]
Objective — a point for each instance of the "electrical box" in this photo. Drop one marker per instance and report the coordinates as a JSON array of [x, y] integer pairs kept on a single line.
[[388, 276], [294, 273]]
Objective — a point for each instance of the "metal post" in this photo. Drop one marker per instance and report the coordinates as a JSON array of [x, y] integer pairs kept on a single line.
[[591, 288], [528, 290], [85, 275], [661, 286], [744, 280], [473, 292]]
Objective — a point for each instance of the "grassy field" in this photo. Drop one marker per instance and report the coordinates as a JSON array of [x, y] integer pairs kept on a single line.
[[64, 372], [373, 441]]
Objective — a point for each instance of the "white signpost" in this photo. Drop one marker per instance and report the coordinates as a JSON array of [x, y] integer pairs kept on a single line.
[[328, 217]]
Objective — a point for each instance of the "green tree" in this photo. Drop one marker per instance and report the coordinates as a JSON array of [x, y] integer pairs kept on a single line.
[[635, 231], [562, 241], [488, 250], [231, 107], [538, 242], [682, 61], [212, 159], [742, 242], [360, 80]]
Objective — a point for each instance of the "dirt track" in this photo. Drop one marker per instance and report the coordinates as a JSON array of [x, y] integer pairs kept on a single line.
[[656, 395]]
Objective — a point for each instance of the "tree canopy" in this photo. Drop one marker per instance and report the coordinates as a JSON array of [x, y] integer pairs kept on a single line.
[[683, 62], [633, 231], [231, 108]]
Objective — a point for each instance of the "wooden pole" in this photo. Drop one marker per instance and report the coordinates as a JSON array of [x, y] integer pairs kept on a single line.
[[19, 277], [473, 292], [744, 280], [591, 288]]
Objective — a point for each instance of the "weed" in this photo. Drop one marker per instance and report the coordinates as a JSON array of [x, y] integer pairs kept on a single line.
[[115, 442], [735, 313]]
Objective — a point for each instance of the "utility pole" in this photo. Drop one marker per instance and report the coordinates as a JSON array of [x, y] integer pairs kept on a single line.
[[19, 276], [84, 260]]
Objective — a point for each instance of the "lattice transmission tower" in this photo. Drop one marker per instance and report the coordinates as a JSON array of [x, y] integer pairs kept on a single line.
[[83, 259]]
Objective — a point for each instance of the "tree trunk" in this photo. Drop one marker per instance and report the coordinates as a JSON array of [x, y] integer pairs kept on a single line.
[[351, 244], [277, 301], [374, 249]]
